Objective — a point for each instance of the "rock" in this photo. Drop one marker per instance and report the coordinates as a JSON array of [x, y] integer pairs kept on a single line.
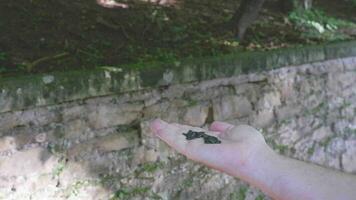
[[41, 137], [318, 156], [7, 145], [151, 156], [290, 111], [322, 133], [349, 63], [109, 115], [26, 163], [74, 129], [229, 107], [196, 115], [108, 143], [269, 101], [349, 157], [264, 118], [9, 121], [73, 112], [336, 146], [288, 133], [116, 142], [75, 171]]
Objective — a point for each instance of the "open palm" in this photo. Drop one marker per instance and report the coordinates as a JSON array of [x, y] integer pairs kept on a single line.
[[239, 144]]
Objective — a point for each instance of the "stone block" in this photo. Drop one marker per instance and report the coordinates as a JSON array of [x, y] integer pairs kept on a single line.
[[116, 142], [196, 115], [322, 133], [230, 107], [75, 129], [286, 112], [108, 115], [7, 145], [269, 100], [349, 157], [104, 144], [263, 118], [29, 162]]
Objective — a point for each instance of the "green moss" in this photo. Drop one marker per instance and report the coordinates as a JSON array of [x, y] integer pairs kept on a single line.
[[239, 195], [74, 189], [83, 84], [58, 169], [279, 147], [311, 150], [326, 141], [192, 102], [187, 183], [129, 193], [319, 108], [149, 167]]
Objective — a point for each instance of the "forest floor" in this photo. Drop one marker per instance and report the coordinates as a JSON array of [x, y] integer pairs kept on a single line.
[[49, 35]]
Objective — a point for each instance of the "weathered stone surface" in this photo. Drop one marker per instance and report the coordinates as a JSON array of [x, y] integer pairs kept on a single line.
[[93, 148], [112, 142], [287, 112], [229, 107], [27, 163], [196, 115], [107, 115], [263, 118], [349, 157], [269, 100], [7, 145], [322, 133]]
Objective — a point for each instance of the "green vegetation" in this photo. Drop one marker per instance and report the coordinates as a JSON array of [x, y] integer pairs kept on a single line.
[[74, 189], [239, 195], [128, 193], [149, 167], [350, 131], [281, 148], [326, 141], [311, 150], [316, 24], [59, 168]]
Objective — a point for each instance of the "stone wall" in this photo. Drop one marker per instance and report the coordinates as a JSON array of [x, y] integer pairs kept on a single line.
[[101, 147]]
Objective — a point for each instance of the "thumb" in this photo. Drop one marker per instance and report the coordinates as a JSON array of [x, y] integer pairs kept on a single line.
[[220, 126]]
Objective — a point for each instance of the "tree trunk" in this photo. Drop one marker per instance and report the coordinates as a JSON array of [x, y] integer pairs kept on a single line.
[[246, 14]]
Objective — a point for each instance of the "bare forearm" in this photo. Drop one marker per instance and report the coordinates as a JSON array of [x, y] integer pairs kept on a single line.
[[284, 178]]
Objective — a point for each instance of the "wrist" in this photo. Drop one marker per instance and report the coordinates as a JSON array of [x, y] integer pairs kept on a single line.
[[261, 168]]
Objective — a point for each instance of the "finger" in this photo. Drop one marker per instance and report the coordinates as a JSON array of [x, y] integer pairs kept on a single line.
[[220, 126], [171, 134]]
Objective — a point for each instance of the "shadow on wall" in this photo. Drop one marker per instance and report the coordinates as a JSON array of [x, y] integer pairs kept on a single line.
[[92, 150]]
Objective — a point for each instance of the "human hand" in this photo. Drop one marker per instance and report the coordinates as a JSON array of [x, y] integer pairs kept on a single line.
[[239, 147]]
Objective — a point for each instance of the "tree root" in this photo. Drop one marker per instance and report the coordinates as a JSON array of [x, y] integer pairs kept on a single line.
[[30, 66]]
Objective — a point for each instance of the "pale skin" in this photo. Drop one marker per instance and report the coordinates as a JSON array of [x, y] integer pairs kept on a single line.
[[243, 153]]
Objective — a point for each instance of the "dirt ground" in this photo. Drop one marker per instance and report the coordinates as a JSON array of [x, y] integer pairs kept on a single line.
[[49, 35]]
